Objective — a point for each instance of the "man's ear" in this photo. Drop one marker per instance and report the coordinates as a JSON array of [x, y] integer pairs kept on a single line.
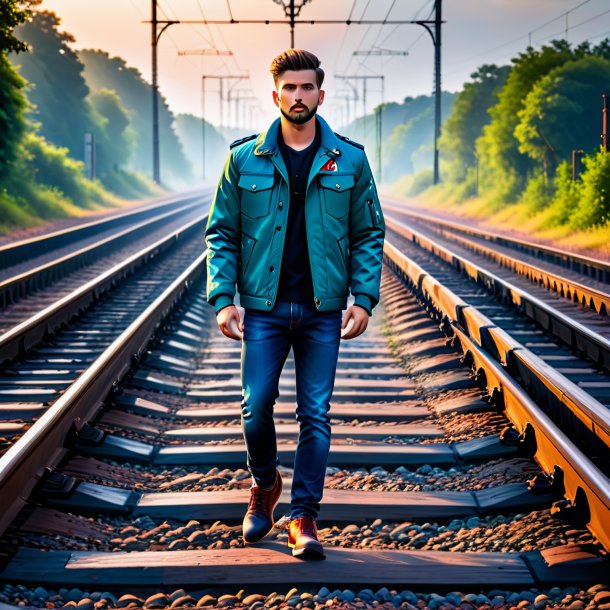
[[276, 99], [321, 97]]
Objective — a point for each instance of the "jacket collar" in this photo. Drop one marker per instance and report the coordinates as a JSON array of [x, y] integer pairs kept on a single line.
[[330, 144]]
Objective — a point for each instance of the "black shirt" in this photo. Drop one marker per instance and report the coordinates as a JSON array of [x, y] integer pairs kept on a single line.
[[295, 282]]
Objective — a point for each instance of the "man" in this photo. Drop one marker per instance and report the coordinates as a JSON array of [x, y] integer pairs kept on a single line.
[[295, 223]]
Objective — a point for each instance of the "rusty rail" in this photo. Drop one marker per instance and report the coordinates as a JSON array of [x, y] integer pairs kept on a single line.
[[19, 286], [42, 447], [585, 486], [32, 331], [18, 252], [578, 292]]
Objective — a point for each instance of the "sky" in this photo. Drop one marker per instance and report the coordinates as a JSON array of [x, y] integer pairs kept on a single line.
[[475, 32]]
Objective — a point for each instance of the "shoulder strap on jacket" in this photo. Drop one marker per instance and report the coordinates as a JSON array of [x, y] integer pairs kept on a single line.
[[243, 140], [352, 142]]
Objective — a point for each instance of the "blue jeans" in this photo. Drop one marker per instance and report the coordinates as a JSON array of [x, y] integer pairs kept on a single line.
[[268, 336]]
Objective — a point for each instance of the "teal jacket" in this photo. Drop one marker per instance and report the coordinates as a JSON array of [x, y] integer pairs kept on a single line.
[[246, 226]]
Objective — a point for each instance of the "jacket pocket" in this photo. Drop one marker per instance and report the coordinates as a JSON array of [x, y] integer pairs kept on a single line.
[[336, 191], [255, 194], [343, 244], [374, 213], [247, 246]]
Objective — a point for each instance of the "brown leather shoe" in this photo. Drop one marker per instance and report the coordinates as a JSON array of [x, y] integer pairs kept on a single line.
[[258, 521], [303, 539]]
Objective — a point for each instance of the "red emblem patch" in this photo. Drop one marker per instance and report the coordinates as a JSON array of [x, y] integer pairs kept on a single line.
[[329, 166]]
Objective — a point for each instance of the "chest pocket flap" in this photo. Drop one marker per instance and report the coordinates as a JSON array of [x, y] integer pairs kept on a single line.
[[255, 191], [336, 191], [336, 182]]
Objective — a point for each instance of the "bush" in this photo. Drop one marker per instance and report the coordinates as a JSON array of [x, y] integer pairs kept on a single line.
[[594, 202], [53, 167], [536, 195], [567, 195], [421, 181], [129, 185], [12, 215]]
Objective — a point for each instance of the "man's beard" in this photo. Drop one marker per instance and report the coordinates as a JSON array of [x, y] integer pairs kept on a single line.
[[302, 117]]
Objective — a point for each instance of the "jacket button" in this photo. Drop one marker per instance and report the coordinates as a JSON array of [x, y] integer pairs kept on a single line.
[[280, 205], [254, 187], [268, 303], [278, 227], [271, 268]]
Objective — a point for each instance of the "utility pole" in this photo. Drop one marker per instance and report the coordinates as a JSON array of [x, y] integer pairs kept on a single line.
[[378, 135], [437, 84], [292, 9], [204, 52], [220, 79], [576, 160], [349, 108], [436, 40], [237, 79], [365, 79], [155, 107], [155, 36], [238, 100], [378, 120], [221, 97], [605, 123]]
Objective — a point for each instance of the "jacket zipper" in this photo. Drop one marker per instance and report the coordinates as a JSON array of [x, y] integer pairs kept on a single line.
[[375, 219]]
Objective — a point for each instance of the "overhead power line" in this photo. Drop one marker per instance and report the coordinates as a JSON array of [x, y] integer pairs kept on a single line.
[[526, 35], [292, 9]]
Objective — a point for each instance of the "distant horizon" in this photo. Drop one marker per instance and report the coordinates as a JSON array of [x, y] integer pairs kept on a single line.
[[471, 38]]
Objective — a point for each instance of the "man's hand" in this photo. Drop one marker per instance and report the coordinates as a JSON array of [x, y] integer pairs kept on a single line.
[[360, 318], [224, 318]]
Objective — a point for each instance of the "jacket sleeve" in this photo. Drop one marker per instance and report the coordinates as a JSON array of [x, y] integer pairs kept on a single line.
[[367, 232], [222, 239]]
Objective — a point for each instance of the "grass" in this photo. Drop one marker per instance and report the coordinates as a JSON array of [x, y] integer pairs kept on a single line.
[[514, 219], [38, 205]]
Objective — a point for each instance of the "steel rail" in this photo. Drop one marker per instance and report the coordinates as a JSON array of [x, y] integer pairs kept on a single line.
[[577, 292], [32, 331], [582, 483], [42, 447], [572, 333], [554, 389], [17, 252], [17, 287]]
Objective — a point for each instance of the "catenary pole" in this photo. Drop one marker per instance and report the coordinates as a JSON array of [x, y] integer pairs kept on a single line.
[[155, 102], [437, 85], [292, 10]]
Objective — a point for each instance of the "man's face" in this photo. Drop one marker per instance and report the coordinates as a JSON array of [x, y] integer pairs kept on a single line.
[[298, 95]]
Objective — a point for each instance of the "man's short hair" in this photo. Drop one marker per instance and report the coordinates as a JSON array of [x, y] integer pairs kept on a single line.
[[296, 59]]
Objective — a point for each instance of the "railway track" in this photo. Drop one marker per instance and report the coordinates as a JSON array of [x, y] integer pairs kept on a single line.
[[129, 486], [25, 254], [34, 284]]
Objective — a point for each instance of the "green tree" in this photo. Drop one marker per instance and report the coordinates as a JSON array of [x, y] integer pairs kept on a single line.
[[407, 132], [566, 195], [469, 115], [594, 203], [404, 142], [59, 91], [116, 138], [13, 103], [504, 169], [12, 13], [561, 112], [105, 72], [189, 130]]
